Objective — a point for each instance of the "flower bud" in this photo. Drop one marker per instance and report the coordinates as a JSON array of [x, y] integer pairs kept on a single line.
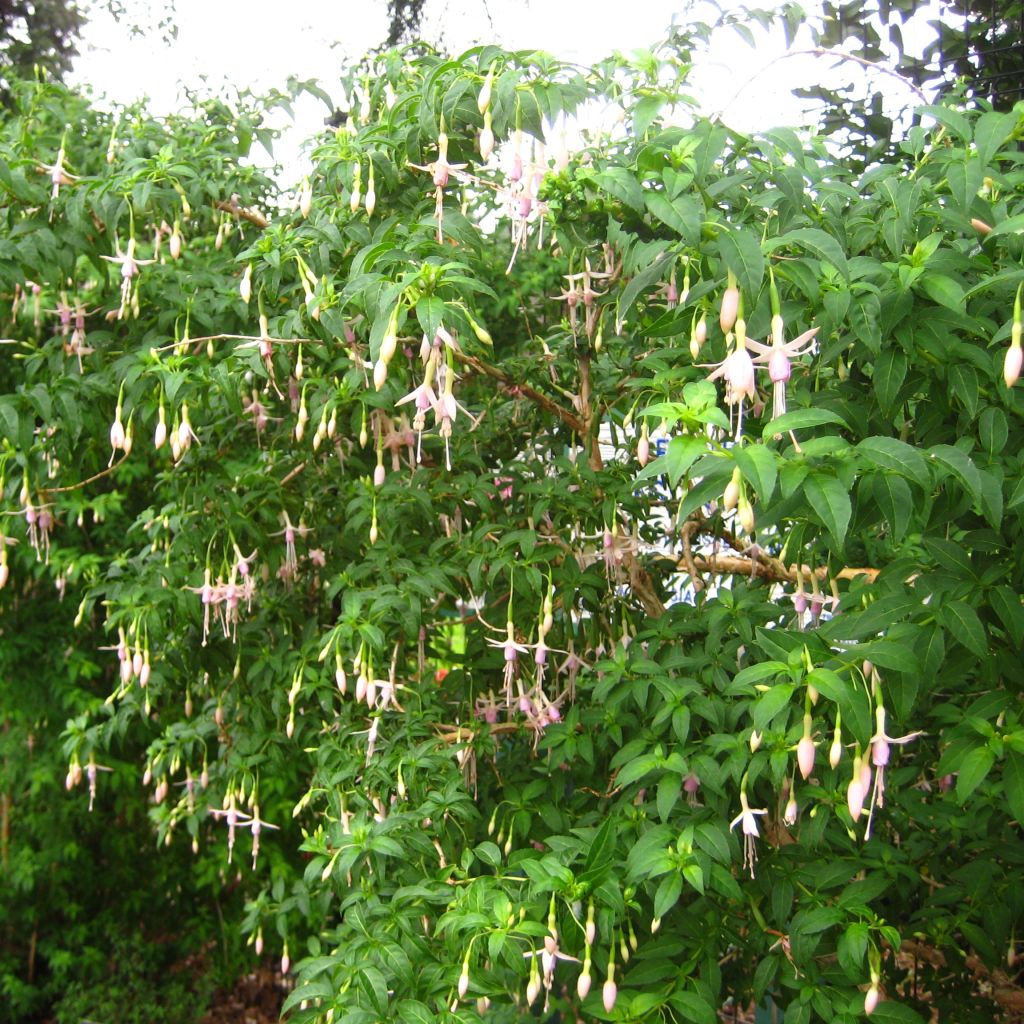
[[871, 999], [835, 753], [755, 741], [380, 374], [731, 497], [583, 982], [729, 309], [464, 981], [609, 993], [1011, 364]]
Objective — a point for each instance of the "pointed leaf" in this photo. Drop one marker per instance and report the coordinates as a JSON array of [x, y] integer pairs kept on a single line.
[[741, 253], [831, 503], [758, 466]]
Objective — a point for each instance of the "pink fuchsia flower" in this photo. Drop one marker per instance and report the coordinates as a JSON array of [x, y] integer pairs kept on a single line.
[[747, 818], [880, 751], [737, 370], [777, 357]]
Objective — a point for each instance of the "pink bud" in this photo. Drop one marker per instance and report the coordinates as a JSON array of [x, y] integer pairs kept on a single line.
[[855, 797], [464, 981], [583, 985], [805, 756], [144, 673], [532, 990], [643, 451], [791, 812], [379, 475], [730, 309], [609, 994], [1012, 364], [117, 434], [871, 999], [137, 663]]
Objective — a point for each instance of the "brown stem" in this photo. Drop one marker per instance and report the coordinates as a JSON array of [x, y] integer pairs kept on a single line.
[[590, 441], [232, 207], [570, 419], [45, 491]]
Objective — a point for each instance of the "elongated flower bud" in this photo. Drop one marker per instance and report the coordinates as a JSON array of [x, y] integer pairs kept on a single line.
[[1013, 360], [871, 999], [729, 309], [805, 750], [731, 496], [609, 993], [483, 101], [583, 982]]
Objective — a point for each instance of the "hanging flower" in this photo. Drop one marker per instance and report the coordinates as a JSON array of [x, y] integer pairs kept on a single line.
[[748, 819], [777, 357]]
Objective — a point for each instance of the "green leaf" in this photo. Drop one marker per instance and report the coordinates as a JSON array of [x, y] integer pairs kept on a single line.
[[887, 379], [1013, 785], [963, 623], [943, 289], [602, 850], [991, 130], [622, 183], [952, 119], [741, 253], [960, 465], [412, 1011], [800, 419], [831, 503], [693, 1007], [1007, 605], [888, 1011], [895, 499], [681, 454], [973, 769], [817, 242], [430, 313], [654, 272], [769, 704], [852, 948], [897, 456], [669, 890], [757, 464], [682, 214]]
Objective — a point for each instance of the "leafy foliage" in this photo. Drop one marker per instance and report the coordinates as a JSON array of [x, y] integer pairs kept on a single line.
[[450, 580]]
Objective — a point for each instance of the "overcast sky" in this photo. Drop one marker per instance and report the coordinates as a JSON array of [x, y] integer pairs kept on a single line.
[[259, 43]]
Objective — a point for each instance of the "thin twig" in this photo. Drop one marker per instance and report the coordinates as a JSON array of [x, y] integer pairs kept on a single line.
[[570, 419], [252, 216], [84, 483], [289, 477]]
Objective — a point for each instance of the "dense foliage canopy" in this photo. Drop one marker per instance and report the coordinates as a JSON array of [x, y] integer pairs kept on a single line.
[[537, 568]]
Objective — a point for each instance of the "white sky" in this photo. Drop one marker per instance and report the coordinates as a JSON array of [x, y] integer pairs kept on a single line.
[[250, 43]]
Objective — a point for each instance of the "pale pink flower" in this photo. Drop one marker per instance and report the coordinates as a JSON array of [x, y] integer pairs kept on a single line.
[[748, 819]]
